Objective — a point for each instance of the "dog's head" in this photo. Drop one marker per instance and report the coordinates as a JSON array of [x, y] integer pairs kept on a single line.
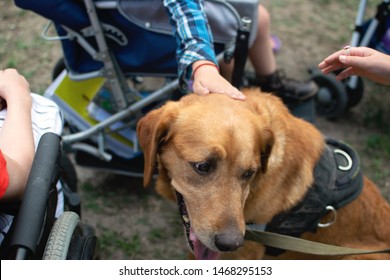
[[209, 149]]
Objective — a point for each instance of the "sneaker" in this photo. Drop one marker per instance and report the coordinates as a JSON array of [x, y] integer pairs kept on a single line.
[[286, 88]]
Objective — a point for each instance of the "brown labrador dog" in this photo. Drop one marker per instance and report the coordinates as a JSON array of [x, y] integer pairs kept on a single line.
[[230, 163]]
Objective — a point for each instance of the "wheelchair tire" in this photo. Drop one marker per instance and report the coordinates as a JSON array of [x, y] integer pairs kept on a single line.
[[60, 236]]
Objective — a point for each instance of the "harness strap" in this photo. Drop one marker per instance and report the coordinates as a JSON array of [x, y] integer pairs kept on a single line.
[[303, 246]]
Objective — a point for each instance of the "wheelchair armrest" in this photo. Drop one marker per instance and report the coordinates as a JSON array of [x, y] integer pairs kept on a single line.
[[31, 216]]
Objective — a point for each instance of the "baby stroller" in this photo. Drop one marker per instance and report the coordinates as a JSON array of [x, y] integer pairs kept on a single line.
[[335, 97], [112, 50], [46, 223]]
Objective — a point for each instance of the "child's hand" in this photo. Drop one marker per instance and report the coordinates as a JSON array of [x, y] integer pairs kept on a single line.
[[14, 89]]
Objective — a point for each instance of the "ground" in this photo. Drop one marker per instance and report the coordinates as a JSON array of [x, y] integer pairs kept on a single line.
[[133, 222]]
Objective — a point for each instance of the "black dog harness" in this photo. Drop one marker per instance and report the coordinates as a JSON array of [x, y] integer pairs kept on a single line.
[[337, 181]]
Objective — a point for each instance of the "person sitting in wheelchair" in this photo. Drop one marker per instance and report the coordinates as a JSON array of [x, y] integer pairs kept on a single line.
[[24, 118]]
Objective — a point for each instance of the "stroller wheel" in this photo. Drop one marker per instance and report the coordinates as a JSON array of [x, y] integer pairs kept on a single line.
[[331, 99], [355, 94]]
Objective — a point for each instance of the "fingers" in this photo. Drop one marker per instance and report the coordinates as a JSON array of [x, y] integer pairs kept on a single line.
[[353, 61], [215, 83], [331, 63], [199, 89], [342, 58], [342, 62], [14, 88], [345, 74], [233, 93], [238, 95], [335, 67], [228, 90], [331, 68]]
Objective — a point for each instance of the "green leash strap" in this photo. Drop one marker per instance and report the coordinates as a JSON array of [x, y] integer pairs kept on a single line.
[[303, 246]]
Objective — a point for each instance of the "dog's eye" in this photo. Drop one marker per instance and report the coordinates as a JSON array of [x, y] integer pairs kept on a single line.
[[248, 174], [202, 167]]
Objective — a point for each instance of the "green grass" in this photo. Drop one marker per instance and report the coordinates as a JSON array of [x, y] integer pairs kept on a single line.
[[377, 148], [379, 144], [157, 234], [111, 241], [91, 197], [376, 111]]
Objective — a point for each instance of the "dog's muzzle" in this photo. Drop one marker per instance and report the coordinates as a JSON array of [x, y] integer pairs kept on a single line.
[[228, 240]]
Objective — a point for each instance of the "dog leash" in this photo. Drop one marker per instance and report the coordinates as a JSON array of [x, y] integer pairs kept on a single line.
[[303, 246]]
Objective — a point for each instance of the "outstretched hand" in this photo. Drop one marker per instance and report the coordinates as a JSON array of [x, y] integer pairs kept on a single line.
[[361, 61]]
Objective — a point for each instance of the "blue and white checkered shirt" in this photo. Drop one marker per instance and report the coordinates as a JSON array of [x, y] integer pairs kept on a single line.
[[192, 33]]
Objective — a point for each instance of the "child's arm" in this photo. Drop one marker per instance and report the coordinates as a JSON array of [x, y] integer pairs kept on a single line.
[[16, 137]]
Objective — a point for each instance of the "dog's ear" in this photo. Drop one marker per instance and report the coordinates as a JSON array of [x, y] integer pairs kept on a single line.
[[267, 142], [151, 130]]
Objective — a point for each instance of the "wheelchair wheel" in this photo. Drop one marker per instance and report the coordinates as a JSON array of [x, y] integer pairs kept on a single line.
[[71, 240], [60, 236], [332, 98]]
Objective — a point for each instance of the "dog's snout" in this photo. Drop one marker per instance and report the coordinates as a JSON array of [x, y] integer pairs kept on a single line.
[[228, 241]]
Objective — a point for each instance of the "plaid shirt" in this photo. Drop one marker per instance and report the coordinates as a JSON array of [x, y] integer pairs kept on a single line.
[[193, 35]]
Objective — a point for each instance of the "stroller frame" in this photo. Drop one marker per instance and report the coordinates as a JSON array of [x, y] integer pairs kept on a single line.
[[376, 22]]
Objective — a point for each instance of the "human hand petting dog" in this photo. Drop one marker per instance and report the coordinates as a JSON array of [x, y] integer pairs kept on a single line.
[[362, 61], [207, 79]]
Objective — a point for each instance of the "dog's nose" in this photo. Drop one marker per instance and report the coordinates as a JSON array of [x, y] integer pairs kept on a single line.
[[229, 241]]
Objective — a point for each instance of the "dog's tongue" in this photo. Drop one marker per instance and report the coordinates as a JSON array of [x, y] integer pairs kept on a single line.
[[201, 251]]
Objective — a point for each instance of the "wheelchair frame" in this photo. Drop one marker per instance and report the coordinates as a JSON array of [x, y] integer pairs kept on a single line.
[[35, 234]]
